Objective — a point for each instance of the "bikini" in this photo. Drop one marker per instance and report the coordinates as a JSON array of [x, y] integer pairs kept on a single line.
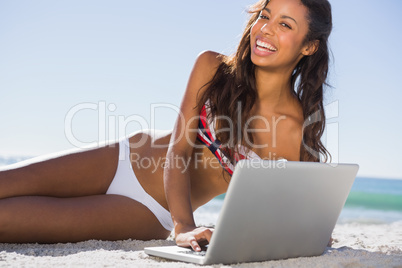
[[125, 182], [206, 135]]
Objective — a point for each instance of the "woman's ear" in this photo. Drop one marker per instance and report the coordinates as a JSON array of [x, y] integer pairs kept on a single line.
[[311, 48]]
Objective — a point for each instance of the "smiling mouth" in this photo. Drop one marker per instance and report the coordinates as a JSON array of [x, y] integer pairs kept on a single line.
[[266, 46]]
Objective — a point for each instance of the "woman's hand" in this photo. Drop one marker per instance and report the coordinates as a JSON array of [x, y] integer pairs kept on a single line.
[[194, 237]]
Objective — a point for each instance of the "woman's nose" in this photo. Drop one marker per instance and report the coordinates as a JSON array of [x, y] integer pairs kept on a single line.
[[267, 28]]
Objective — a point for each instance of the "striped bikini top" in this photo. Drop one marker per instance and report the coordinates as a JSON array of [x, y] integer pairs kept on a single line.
[[206, 135]]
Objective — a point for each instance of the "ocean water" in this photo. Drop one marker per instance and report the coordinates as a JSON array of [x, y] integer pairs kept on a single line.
[[11, 159], [371, 201]]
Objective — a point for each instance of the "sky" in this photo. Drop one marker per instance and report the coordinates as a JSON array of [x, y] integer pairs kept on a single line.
[[77, 72]]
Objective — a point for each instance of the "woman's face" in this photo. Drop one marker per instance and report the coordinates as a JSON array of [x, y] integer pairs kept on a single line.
[[277, 37]]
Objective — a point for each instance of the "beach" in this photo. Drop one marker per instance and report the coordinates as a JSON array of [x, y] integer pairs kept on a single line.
[[368, 233], [355, 245]]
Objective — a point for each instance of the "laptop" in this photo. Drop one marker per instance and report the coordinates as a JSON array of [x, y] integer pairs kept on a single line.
[[273, 210]]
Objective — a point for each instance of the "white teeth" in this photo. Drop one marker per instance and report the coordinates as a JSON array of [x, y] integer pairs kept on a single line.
[[265, 45]]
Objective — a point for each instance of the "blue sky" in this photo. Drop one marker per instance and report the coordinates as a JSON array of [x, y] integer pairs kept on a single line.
[[117, 58]]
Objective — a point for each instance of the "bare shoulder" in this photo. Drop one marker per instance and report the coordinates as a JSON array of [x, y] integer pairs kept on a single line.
[[295, 126], [296, 121], [208, 62], [294, 113], [203, 71], [210, 58], [292, 122]]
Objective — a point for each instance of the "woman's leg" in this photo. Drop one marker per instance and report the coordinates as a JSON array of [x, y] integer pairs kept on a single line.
[[81, 173], [49, 219]]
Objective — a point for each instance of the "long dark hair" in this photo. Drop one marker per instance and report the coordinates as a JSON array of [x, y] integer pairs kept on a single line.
[[232, 91]]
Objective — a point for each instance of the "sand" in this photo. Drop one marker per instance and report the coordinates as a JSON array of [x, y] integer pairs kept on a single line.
[[355, 245]]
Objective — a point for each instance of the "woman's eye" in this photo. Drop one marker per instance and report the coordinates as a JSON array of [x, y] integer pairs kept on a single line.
[[263, 17], [286, 25]]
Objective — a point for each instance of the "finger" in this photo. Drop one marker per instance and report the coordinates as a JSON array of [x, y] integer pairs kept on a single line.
[[194, 245], [208, 235], [205, 234], [185, 240]]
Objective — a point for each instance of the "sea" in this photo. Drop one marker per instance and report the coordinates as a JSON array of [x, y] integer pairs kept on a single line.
[[370, 201]]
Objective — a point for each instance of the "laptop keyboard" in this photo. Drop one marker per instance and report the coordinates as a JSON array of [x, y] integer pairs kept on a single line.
[[196, 253]]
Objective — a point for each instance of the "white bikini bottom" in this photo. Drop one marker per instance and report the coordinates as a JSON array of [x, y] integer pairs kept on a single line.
[[125, 183]]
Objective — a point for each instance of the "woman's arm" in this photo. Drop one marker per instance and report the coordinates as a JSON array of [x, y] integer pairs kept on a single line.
[[176, 178]]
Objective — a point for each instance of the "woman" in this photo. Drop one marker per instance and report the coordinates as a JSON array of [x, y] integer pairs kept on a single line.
[[252, 104]]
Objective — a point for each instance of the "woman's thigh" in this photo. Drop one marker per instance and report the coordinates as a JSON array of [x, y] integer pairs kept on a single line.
[[52, 220], [66, 174]]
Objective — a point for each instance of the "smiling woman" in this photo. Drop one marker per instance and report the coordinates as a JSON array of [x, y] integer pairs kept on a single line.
[[285, 29], [145, 185]]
